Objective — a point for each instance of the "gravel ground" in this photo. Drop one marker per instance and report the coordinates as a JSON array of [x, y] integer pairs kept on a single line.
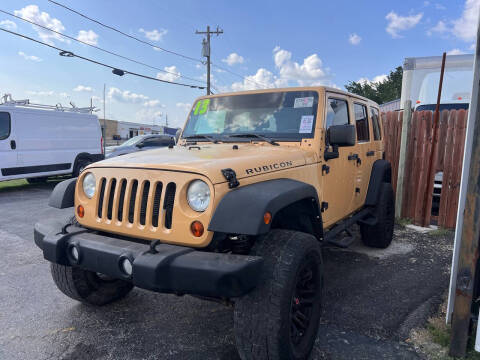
[[373, 299]]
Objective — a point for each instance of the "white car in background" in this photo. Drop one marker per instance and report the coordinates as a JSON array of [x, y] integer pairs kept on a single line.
[[37, 141]]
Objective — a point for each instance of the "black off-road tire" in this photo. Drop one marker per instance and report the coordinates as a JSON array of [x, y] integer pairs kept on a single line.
[[80, 165], [380, 235], [88, 287], [263, 322]]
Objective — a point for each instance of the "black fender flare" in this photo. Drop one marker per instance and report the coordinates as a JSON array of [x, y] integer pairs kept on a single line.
[[241, 210], [381, 173], [63, 194]]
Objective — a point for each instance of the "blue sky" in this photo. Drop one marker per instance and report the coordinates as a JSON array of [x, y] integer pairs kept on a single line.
[[271, 43]]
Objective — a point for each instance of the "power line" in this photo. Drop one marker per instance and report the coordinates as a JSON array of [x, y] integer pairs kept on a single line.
[[115, 70], [150, 44], [125, 34], [99, 48], [240, 76]]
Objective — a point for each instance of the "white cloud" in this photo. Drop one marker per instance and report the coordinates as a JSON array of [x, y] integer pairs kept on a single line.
[[465, 27], [439, 28], [354, 39], [233, 59], [171, 73], [472, 46], [262, 79], [153, 103], [82, 88], [397, 23], [32, 13], [88, 36], [29, 57], [309, 73], [149, 116], [63, 95], [290, 73], [154, 35], [455, 52], [40, 93], [126, 96], [376, 79], [8, 24], [184, 106]]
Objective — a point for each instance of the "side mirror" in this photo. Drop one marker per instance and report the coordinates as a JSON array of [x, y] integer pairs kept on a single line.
[[139, 145], [341, 135]]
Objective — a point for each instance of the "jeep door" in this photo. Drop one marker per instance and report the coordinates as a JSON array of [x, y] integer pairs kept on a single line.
[[8, 152], [339, 182], [364, 152]]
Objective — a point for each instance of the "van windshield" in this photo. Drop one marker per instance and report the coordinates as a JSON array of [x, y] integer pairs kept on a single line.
[[132, 141], [288, 116]]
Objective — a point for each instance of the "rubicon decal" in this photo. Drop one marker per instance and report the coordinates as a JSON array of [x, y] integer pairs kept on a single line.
[[270, 167]]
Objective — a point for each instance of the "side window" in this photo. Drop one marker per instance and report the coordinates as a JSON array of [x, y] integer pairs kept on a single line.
[[155, 142], [337, 112], [377, 134], [361, 122], [4, 125]]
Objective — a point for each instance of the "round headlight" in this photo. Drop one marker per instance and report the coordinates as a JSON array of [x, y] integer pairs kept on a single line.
[[89, 185], [198, 195]]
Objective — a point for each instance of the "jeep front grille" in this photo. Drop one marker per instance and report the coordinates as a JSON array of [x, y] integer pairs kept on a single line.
[[134, 199]]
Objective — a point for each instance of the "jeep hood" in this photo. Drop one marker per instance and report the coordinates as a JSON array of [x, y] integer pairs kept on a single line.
[[209, 159]]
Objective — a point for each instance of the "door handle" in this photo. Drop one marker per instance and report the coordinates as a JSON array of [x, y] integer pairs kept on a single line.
[[370, 153], [13, 144]]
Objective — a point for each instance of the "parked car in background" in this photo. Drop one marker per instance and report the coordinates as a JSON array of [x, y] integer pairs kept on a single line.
[[37, 141], [138, 143]]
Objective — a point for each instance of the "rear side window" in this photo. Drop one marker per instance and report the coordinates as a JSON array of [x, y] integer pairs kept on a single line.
[[377, 134], [4, 125], [361, 122], [337, 112]]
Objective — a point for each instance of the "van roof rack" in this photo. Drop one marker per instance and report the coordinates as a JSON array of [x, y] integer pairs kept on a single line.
[[7, 100]]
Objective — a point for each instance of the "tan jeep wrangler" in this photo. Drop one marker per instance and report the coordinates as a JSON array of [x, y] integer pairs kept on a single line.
[[237, 211]]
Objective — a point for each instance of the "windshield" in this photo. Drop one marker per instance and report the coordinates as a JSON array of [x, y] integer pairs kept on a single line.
[[288, 116], [132, 141]]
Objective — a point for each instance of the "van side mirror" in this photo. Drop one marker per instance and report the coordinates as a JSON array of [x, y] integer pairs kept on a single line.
[[341, 135]]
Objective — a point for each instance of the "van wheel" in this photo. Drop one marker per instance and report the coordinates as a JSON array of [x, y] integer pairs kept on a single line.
[[37, 180], [87, 286], [80, 165], [279, 319], [380, 235]]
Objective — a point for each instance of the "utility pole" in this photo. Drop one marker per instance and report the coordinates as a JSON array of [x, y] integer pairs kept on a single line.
[[206, 50]]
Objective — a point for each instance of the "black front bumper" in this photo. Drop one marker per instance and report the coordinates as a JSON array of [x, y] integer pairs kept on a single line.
[[172, 269]]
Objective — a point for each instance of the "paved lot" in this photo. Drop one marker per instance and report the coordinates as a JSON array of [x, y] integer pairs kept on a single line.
[[373, 299]]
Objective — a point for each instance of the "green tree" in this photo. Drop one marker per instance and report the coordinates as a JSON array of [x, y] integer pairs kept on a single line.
[[380, 91]]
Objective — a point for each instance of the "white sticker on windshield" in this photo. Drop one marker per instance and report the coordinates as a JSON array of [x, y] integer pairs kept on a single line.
[[303, 102], [306, 124]]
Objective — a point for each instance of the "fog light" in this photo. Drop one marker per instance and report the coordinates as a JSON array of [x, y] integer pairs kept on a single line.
[[197, 228], [74, 253], [126, 266], [80, 211]]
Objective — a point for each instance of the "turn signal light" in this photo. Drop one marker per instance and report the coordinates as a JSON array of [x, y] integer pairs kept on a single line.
[[80, 211], [197, 228], [267, 217]]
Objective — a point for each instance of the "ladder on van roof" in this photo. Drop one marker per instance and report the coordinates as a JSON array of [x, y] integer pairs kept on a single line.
[[7, 100]]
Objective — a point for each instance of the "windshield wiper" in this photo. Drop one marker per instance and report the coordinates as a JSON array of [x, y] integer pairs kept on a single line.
[[261, 137], [205, 137]]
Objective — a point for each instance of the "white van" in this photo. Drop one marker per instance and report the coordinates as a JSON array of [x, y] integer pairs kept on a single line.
[[37, 141]]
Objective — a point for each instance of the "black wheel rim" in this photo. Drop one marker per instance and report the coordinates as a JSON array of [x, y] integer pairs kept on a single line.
[[305, 304]]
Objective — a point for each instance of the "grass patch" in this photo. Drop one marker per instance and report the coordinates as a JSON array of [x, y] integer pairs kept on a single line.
[[10, 184], [439, 232], [403, 221]]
